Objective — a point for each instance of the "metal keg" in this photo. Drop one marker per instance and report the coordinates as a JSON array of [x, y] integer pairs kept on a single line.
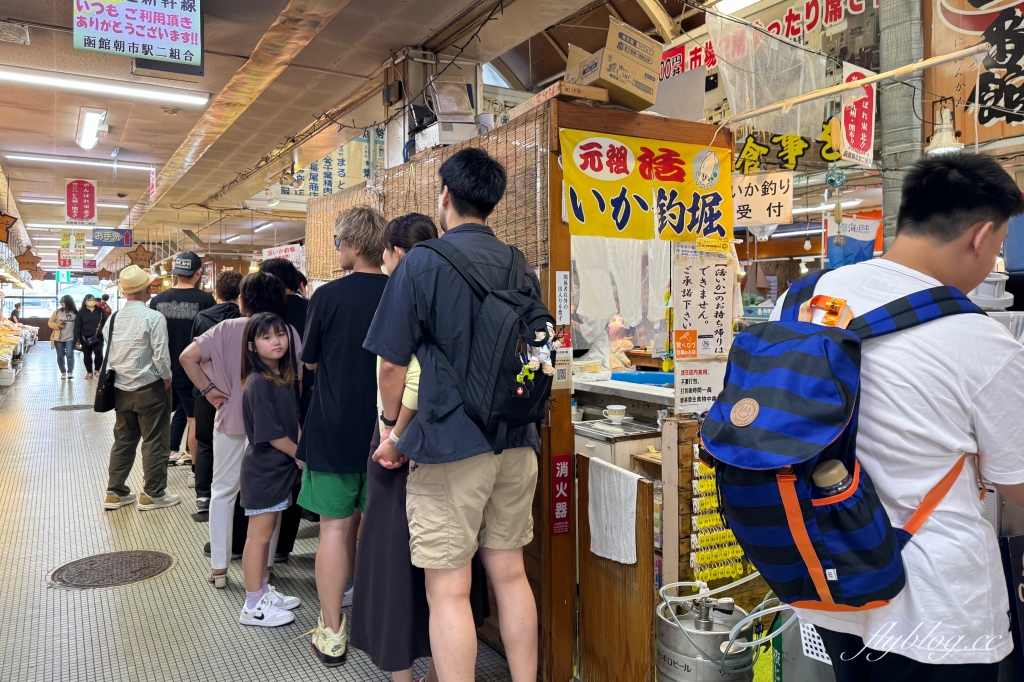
[[707, 623]]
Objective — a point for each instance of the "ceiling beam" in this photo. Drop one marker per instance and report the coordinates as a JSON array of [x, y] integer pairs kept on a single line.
[[295, 28], [612, 11], [662, 20], [508, 74], [558, 49]]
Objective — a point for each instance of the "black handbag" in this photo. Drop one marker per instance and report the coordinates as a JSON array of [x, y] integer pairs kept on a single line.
[[105, 391]]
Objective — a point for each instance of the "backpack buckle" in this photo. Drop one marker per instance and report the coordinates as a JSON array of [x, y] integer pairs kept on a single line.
[[837, 313]]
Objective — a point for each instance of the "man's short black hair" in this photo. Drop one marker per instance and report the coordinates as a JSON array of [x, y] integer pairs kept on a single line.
[[105, 297], [943, 195], [302, 279], [475, 182], [284, 270], [261, 292]]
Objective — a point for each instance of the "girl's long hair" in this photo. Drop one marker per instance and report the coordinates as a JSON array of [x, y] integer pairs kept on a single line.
[[258, 325], [69, 304]]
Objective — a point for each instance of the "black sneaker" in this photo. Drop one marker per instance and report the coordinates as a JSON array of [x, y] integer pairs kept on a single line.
[[203, 504], [281, 557], [234, 556]]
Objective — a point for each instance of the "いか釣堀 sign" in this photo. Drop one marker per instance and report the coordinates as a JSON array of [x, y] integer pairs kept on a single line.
[[636, 188], [79, 202], [164, 30]]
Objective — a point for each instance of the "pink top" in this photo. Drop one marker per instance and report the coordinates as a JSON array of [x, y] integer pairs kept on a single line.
[[221, 347]]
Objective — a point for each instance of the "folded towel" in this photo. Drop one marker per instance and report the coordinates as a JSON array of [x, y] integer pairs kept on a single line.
[[612, 509]]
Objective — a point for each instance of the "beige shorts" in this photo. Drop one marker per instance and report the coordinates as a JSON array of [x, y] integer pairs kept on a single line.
[[483, 501]]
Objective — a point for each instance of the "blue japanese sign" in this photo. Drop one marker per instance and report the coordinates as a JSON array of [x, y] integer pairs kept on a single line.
[[111, 237]]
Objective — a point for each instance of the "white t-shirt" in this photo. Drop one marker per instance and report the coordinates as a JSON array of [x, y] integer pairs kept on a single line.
[[929, 395]]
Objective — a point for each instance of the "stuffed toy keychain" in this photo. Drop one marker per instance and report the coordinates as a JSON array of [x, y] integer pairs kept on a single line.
[[539, 358]]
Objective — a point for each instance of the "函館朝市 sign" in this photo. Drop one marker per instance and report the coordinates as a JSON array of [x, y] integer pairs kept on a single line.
[[636, 188], [167, 31]]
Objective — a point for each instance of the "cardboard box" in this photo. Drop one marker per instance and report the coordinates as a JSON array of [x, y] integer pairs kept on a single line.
[[626, 41], [628, 83], [559, 90]]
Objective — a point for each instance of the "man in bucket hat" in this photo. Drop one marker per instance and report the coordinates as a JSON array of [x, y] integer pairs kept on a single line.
[[138, 355]]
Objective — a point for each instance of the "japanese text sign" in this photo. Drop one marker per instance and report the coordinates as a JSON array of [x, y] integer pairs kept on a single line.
[[703, 293], [112, 237], [698, 383], [72, 245], [635, 188], [291, 252], [164, 30], [79, 202], [763, 198], [561, 493], [858, 141]]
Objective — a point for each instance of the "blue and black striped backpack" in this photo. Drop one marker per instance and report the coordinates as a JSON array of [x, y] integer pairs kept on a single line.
[[778, 433]]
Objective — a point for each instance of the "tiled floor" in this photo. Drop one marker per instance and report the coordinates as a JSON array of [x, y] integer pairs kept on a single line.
[[173, 627]]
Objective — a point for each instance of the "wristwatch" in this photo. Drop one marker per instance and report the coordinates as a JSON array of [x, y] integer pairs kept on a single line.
[[387, 422]]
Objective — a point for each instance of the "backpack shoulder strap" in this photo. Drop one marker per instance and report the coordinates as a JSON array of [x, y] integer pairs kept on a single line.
[[518, 272], [910, 311], [110, 342], [800, 292], [461, 264]]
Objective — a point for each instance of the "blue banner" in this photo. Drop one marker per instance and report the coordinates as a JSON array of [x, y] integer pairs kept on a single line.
[[111, 237]]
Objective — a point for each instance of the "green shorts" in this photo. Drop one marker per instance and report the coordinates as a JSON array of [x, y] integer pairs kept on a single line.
[[333, 495]]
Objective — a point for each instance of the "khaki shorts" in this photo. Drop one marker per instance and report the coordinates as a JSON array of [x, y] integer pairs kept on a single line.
[[483, 501]]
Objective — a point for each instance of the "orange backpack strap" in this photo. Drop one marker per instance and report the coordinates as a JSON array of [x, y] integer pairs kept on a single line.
[[934, 496]]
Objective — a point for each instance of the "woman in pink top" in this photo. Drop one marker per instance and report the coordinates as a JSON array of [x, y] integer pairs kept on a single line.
[[213, 362]]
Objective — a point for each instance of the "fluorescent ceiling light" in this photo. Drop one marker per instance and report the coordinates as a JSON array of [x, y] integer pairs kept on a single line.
[[46, 239], [60, 202], [809, 233], [232, 239], [827, 207], [77, 161], [61, 226], [103, 86], [733, 6], [264, 226], [90, 124]]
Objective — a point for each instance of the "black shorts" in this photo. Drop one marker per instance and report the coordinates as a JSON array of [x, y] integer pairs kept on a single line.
[[184, 398]]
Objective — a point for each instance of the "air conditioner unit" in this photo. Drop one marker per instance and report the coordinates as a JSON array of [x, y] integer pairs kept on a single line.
[[443, 134]]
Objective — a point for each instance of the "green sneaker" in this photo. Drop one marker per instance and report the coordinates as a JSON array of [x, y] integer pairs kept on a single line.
[[115, 501], [329, 646]]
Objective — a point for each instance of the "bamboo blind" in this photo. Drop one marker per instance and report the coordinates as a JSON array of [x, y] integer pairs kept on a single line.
[[521, 218]]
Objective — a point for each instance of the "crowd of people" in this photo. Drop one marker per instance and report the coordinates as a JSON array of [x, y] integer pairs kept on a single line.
[[335, 407]]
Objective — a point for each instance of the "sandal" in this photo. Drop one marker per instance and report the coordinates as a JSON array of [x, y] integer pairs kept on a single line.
[[219, 580]]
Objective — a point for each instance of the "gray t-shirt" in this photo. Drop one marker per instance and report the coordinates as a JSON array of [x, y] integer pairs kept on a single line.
[[270, 412], [68, 318]]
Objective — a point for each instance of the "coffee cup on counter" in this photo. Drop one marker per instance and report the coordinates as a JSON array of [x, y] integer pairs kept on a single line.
[[615, 413]]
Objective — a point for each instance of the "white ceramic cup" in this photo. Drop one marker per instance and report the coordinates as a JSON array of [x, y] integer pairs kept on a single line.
[[615, 413]]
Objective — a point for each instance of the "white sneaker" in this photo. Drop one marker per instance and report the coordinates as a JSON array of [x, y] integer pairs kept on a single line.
[[265, 614], [173, 459], [147, 502], [282, 601], [191, 480], [115, 501], [64, 376], [347, 601]]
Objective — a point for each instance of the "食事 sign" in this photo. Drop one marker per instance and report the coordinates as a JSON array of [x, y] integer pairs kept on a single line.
[[166, 31]]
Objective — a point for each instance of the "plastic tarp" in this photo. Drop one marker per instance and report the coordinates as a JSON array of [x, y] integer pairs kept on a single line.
[[760, 70]]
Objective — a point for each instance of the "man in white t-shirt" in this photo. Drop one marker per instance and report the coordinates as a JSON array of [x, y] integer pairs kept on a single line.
[[928, 395]]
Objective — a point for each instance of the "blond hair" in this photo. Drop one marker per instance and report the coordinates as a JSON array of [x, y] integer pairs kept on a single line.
[[361, 228]]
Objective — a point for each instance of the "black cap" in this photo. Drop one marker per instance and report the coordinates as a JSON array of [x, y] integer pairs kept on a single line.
[[186, 263]]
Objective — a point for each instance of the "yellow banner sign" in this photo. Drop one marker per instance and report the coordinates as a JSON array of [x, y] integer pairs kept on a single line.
[[635, 188]]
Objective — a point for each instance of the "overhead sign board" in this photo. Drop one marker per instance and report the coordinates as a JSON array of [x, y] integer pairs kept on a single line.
[[858, 141], [72, 245], [165, 31], [79, 202], [763, 198], [64, 276], [111, 237]]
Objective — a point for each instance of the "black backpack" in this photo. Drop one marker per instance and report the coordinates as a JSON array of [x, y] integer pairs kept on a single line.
[[497, 393]]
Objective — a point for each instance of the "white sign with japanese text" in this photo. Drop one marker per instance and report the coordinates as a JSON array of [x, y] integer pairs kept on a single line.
[[858, 141], [703, 301], [293, 252], [72, 245], [698, 383], [562, 292], [763, 198]]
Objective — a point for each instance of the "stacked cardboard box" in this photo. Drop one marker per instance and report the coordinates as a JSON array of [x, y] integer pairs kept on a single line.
[[627, 66]]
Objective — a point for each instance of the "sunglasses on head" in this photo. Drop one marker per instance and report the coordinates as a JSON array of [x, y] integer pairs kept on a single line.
[[338, 241]]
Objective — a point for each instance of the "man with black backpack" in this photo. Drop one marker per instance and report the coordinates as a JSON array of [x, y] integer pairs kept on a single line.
[[932, 393], [473, 444]]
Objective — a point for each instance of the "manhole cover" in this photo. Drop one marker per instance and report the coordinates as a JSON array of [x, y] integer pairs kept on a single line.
[[70, 408], [115, 568]]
